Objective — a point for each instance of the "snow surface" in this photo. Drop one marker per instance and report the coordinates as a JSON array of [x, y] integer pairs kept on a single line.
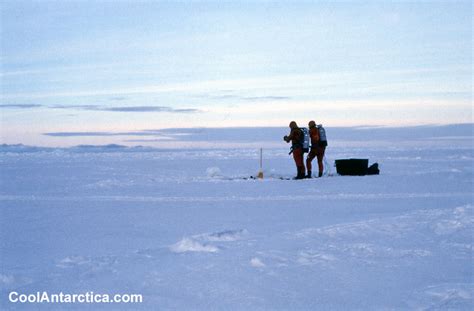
[[188, 230]]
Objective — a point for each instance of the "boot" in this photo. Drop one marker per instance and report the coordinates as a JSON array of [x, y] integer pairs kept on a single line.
[[300, 174], [320, 174], [297, 173], [309, 175]]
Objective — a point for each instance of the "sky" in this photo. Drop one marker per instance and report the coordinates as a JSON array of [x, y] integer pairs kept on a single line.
[[110, 67]]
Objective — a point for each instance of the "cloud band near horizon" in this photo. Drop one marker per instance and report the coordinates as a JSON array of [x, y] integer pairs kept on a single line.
[[104, 108]]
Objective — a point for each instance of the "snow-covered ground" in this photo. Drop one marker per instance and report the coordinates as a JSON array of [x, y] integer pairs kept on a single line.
[[184, 228]]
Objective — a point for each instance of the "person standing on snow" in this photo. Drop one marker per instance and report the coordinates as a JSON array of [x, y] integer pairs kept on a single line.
[[296, 138], [318, 147]]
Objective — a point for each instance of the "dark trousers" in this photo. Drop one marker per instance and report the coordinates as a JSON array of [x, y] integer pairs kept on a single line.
[[298, 156], [299, 160], [316, 152]]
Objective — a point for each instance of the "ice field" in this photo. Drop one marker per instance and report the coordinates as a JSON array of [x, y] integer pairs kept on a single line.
[[183, 227]]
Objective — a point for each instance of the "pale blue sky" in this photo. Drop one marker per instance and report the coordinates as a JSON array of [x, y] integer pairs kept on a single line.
[[119, 66]]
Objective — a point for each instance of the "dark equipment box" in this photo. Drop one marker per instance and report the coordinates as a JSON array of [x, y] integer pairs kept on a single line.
[[356, 167]]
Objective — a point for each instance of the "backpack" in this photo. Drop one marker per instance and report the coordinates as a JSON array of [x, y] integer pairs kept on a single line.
[[322, 133], [304, 140], [322, 136]]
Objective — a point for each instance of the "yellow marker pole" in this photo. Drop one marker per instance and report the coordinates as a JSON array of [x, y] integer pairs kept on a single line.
[[260, 172]]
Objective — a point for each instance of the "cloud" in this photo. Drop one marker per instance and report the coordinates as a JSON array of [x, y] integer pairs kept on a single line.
[[176, 134], [299, 82], [154, 140], [127, 108], [186, 110], [106, 108], [155, 134], [265, 98], [248, 98], [103, 134], [80, 134], [276, 82], [20, 106], [81, 107], [118, 98], [145, 109]]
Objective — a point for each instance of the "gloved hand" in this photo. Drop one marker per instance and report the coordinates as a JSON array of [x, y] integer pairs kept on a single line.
[[285, 138]]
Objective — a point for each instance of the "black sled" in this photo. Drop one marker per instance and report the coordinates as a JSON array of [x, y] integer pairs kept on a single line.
[[356, 167]]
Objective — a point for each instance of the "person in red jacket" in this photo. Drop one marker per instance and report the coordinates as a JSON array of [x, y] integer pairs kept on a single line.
[[296, 138], [317, 149]]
